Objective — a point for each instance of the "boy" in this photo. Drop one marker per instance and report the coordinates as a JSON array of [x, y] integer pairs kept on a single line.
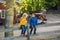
[[32, 22]]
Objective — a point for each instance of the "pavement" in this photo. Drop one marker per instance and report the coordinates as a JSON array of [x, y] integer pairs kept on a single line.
[[53, 24]]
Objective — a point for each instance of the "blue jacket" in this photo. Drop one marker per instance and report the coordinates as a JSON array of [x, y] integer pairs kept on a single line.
[[32, 21]]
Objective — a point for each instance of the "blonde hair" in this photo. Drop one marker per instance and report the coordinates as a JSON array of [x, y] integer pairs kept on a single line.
[[25, 14]]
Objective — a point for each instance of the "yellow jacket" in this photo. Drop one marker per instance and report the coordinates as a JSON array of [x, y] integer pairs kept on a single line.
[[23, 21]]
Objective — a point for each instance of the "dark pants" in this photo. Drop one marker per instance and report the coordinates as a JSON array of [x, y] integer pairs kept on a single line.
[[32, 27], [23, 28]]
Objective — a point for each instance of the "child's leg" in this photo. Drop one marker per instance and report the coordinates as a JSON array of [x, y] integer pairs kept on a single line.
[[31, 29], [22, 30], [34, 29]]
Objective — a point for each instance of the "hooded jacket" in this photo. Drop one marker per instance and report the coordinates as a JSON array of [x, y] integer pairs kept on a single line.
[[32, 21], [23, 21]]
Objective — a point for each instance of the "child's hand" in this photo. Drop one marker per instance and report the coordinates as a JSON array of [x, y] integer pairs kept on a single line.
[[18, 27]]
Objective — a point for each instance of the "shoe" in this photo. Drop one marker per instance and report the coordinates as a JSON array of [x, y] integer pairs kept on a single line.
[[34, 33], [21, 35], [25, 35]]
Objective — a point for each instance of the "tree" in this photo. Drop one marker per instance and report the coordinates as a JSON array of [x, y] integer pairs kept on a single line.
[[9, 16], [38, 5], [30, 5]]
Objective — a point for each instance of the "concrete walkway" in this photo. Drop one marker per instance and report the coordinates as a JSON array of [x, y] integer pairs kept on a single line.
[[52, 25]]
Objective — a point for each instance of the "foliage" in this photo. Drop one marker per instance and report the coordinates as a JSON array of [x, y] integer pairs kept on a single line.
[[37, 5]]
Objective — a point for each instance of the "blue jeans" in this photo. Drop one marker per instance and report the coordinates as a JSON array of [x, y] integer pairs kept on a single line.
[[23, 28]]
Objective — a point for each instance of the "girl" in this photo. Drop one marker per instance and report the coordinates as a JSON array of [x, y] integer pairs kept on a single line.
[[22, 25]]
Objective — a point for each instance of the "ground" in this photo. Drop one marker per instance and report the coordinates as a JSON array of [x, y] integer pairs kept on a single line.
[[52, 27]]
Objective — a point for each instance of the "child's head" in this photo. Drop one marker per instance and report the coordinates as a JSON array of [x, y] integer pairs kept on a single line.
[[33, 15], [24, 15]]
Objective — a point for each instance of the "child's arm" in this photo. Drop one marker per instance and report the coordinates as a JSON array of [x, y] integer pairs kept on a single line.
[[29, 21], [36, 21]]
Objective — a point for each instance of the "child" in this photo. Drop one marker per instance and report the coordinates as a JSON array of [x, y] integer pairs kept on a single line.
[[22, 24], [32, 22]]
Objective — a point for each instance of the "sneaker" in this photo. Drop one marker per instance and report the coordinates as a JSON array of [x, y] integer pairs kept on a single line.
[[25, 35], [21, 35], [34, 33]]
